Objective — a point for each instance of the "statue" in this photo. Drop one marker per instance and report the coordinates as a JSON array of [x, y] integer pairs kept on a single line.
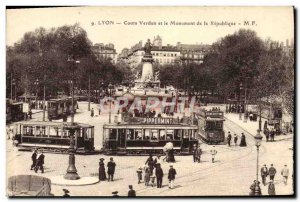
[[148, 47]]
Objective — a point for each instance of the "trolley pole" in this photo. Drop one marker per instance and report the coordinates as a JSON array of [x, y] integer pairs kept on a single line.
[[11, 86], [240, 103]]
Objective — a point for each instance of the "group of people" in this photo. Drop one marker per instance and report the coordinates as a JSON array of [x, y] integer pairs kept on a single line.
[[153, 170], [271, 172], [37, 158], [235, 140], [111, 167]]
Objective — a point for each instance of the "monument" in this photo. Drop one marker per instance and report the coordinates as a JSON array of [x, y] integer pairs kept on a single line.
[[147, 79]]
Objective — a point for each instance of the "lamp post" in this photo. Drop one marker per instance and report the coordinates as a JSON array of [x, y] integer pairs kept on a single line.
[[241, 87], [109, 88], [71, 170], [89, 93], [245, 104], [36, 83], [44, 97], [258, 139], [13, 86], [259, 122]]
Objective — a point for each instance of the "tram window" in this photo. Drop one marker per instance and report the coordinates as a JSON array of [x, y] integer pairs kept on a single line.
[[162, 134], [185, 134], [154, 135], [219, 125], [130, 134], [65, 134], [170, 134], [28, 130], [112, 134], [54, 132], [177, 134], [147, 134], [210, 125]]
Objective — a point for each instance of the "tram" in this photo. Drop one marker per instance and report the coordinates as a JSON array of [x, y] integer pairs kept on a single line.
[[14, 111], [143, 136], [210, 125], [54, 136], [56, 107]]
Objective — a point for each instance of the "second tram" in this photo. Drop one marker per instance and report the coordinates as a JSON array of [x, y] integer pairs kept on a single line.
[[57, 107], [211, 126]]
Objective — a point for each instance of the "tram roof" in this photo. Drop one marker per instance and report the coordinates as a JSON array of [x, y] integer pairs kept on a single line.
[[150, 126], [51, 123], [214, 119]]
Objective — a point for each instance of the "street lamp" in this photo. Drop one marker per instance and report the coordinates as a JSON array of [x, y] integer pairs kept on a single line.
[[36, 83], [241, 87], [245, 104], [71, 170], [109, 88], [258, 139]]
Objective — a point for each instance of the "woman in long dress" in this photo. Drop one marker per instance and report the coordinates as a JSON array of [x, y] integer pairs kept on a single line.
[[243, 141], [102, 174]]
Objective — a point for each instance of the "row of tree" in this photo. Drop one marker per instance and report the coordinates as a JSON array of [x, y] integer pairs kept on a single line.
[[54, 53], [235, 63]]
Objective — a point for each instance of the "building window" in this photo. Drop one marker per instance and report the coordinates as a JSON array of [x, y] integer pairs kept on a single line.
[[164, 54], [171, 54], [175, 55]]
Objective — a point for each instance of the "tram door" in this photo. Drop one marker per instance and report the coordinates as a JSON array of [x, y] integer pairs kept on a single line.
[[122, 137]]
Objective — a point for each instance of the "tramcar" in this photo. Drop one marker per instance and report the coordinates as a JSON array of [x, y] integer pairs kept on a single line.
[[210, 125], [56, 107], [14, 111], [143, 136], [54, 136]]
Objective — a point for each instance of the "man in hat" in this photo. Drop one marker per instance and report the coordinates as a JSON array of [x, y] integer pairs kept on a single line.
[[229, 138], [272, 172], [285, 174], [171, 176], [92, 112], [131, 192], [115, 194], [111, 165], [264, 173], [199, 153], [66, 193], [159, 175], [33, 158], [40, 162], [195, 153]]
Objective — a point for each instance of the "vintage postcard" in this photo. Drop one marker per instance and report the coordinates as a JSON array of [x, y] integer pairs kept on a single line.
[[150, 101]]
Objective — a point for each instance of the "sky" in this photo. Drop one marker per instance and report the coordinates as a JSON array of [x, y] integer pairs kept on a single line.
[[123, 26]]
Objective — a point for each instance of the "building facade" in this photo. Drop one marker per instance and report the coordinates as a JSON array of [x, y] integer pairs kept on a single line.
[[105, 52]]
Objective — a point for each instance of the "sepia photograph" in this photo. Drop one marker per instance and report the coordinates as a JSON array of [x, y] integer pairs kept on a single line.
[[150, 101]]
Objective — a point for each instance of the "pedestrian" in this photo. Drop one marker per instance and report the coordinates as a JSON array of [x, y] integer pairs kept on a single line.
[[267, 134], [66, 193], [229, 139], [140, 174], [159, 175], [151, 163], [40, 162], [102, 175], [252, 188], [131, 192], [33, 158], [195, 153], [271, 188], [115, 194], [99, 111], [285, 174], [243, 141], [272, 172], [264, 173], [147, 176], [213, 154], [235, 139], [111, 165], [171, 177], [171, 157], [199, 153], [272, 135], [92, 112]]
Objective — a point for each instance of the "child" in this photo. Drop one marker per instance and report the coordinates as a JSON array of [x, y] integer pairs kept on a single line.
[[152, 177], [140, 174]]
